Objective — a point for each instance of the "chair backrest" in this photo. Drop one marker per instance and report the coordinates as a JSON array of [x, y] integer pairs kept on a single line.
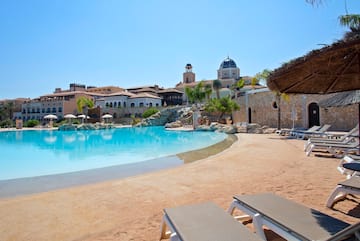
[[314, 128], [324, 128]]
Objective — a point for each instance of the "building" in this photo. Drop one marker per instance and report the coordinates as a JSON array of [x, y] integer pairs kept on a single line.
[[228, 74], [261, 106], [58, 103], [188, 75]]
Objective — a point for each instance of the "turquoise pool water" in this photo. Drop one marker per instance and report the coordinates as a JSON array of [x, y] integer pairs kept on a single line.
[[43, 152]]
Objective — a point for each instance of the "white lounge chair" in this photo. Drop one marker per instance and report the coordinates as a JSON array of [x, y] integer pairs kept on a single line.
[[339, 150], [203, 222], [291, 220], [317, 133], [340, 139], [348, 159], [349, 186], [296, 132]]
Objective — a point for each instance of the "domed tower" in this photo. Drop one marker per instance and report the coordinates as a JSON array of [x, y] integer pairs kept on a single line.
[[188, 75], [228, 70]]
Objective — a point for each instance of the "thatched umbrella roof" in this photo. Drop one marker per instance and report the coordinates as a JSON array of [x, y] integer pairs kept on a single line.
[[342, 99], [330, 69]]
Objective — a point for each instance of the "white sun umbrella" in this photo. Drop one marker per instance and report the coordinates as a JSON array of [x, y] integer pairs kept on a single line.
[[69, 116], [82, 116], [107, 116], [50, 117]]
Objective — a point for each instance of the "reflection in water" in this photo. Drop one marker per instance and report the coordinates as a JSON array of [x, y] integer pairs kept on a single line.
[[50, 139]]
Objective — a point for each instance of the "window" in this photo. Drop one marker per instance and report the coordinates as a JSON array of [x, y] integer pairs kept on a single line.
[[48, 110], [141, 104], [151, 104], [119, 104], [114, 104], [60, 109], [124, 104], [53, 110], [132, 105]]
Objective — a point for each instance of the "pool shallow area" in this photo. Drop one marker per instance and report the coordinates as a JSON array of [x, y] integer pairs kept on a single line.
[[44, 152]]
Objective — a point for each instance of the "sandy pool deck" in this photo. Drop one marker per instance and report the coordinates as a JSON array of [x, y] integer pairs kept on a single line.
[[131, 208]]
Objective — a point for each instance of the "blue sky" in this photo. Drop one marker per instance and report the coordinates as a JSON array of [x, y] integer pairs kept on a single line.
[[47, 44]]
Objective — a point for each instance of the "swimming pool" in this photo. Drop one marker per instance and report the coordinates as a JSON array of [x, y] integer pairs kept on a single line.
[[44, 152]]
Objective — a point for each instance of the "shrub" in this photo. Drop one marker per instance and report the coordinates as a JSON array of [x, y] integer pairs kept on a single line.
[[149, 112], [31, 123], [6, 123]]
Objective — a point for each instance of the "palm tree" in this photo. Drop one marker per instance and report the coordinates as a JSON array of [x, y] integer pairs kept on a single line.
[[83, 104], [351, 21], [208, 91], [223, 105], [196, 94], [217, 86]]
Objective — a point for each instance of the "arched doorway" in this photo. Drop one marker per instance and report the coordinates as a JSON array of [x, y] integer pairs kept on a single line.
[[314, 114]]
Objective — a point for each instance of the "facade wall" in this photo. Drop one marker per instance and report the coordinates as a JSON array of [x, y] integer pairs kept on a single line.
[[259, 107]]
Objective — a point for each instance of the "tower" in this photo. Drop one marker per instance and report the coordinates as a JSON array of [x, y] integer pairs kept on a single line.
[[188, 75]]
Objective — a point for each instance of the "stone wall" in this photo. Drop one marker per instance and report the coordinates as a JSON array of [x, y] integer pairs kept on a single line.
[[259, 104]]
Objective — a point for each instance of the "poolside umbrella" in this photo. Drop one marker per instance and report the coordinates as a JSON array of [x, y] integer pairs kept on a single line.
[[107, 116], [70, 117], [343, 99], [82, 117], [50, 117], [331, 69]]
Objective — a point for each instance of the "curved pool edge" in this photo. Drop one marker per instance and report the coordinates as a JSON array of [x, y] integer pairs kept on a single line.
[[32, 185], [202, 153]]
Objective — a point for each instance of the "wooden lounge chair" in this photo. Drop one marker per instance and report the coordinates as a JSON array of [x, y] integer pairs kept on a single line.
[[203, 222], [331, 138], [349, 186], [291, 220]]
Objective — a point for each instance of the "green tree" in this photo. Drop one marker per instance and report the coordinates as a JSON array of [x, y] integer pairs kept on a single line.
[[223, 106], [208, 91], [149, 112], [196, 94], [83, 104], [263, 75], [217, 86]]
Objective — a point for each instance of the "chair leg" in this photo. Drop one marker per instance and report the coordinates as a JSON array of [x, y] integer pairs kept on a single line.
[[337, 195], [232, 208], [312, 146], [259, 226], [163, 233]]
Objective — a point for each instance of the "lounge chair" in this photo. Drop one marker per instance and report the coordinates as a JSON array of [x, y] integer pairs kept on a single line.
[[203, 222], [349, 186], [334, 148], [333, 138], [345, 160], [291, 220], [296, 132], [317, 133]]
